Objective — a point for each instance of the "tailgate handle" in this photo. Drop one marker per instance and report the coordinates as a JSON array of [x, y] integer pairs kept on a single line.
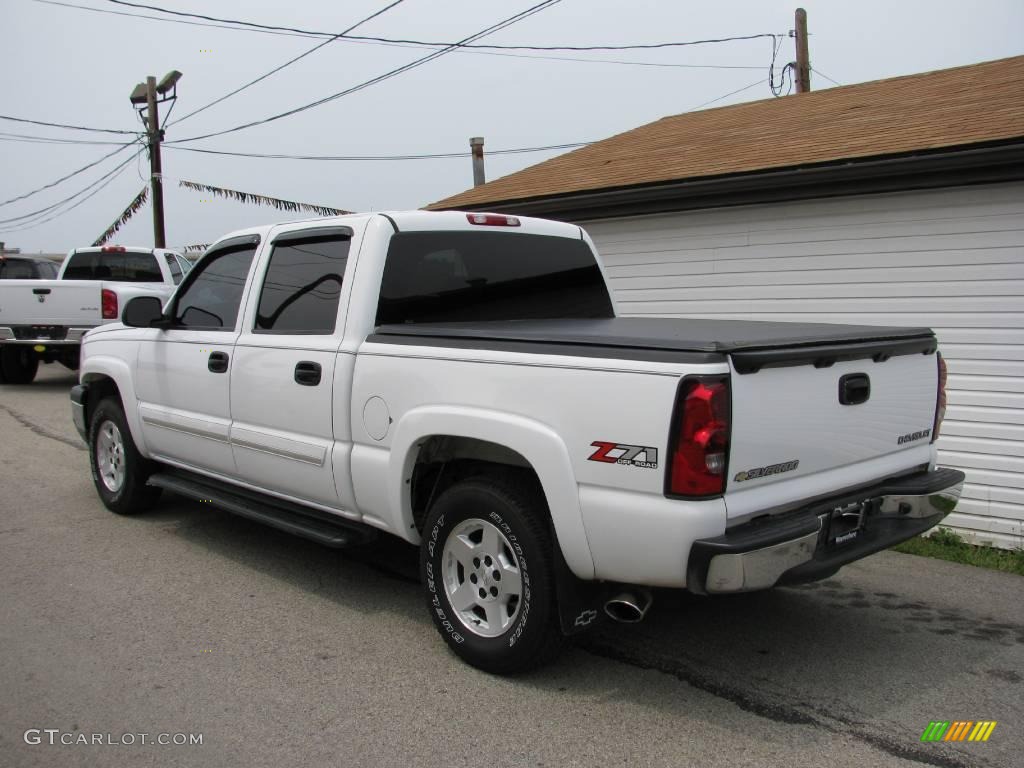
[[308, 373], [854, 389], [40, 291]]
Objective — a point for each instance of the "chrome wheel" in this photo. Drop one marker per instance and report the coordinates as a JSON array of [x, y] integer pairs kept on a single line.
[[481, 577], [110, 456]]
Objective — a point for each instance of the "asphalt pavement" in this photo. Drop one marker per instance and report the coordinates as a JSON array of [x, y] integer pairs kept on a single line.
[[276, 651]]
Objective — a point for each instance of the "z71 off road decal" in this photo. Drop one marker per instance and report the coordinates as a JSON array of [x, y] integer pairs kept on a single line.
[[620, 453], [771, 469]]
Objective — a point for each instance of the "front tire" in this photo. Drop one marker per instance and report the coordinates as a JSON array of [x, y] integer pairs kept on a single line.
[[486, 564], [18, 364], [119, 471]]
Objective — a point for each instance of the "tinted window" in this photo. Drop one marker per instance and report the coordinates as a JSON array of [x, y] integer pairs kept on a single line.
[[17, 269], [453, 276], [116, 267], [214, 291], [47, 270], [172, 265], [303, 286]]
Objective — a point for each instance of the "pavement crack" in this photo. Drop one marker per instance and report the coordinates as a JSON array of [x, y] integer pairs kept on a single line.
[[41, 430], [757, 703]]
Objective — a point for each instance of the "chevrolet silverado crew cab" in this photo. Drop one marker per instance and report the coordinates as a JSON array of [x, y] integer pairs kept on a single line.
[[462, 381], [44, 320]]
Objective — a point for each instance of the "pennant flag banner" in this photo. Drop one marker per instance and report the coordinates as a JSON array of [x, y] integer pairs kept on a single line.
[[197, 248], [249, 197], [120, 221]]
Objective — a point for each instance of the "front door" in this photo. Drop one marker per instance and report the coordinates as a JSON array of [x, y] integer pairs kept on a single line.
[[284, 369], [183, 372]]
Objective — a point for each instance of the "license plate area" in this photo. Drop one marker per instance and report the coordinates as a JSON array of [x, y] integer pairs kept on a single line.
[[846, 523], [51, 332]]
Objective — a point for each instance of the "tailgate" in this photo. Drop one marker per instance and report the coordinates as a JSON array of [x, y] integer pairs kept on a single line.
[[793, 438], [50, 302]]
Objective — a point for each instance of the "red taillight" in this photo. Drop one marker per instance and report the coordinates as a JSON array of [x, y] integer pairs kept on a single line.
[[940, 398], [108, 301], [492, 220], [699, 443], [113, 249]]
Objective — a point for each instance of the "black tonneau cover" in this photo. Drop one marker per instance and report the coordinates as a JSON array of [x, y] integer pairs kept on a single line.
[[752, 344]]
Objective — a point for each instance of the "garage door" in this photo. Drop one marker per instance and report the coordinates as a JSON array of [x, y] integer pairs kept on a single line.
[[952, 259]]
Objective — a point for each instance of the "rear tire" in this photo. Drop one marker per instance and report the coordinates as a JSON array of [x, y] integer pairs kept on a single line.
[[486, 565], [18, 364], [118, 469]]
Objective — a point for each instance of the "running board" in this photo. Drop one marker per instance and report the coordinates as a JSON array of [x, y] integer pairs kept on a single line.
[[321, 527]]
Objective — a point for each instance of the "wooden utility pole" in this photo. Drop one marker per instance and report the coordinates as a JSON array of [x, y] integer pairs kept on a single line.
[[803, 63], [156, 179]]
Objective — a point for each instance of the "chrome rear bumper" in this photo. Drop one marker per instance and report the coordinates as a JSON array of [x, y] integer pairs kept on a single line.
[[814, 542]]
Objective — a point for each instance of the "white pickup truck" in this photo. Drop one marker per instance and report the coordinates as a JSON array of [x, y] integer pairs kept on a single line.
[[462, 381], [45, 320]]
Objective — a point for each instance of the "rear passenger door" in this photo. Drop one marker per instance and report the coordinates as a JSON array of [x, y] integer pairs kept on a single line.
[[284, 369]]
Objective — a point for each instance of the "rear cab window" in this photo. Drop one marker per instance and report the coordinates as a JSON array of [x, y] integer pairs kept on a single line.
[[432, 277], [113, 267]]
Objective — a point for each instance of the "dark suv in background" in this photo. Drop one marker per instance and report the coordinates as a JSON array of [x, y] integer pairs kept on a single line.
[[27, 268]]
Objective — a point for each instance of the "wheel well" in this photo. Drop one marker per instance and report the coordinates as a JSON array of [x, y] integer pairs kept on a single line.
[[100, 387], [443, 460]]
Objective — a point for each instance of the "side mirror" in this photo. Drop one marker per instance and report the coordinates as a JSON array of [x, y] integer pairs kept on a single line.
[[144, 312]]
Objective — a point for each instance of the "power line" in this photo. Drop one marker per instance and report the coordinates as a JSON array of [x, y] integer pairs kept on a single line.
[[819, 72], [437, 44], [28, 139], [62, 125], [49, 208], [70, 175], [425, 156], [387, 75], [726, 96], [99, 184], [314, 49], [387, 43], [786, 70]]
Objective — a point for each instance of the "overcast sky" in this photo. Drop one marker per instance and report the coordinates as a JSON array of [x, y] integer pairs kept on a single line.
[[68, 65]]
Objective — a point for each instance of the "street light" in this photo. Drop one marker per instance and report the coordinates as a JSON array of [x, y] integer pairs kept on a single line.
[[170, 81]]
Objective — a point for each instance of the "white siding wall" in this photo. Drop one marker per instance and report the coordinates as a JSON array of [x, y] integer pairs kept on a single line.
[[952, 259]]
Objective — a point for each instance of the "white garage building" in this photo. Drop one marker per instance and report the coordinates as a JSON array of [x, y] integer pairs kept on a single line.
[[895, 202]]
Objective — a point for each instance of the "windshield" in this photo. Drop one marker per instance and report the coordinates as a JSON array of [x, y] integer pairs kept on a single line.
[[458, 276]]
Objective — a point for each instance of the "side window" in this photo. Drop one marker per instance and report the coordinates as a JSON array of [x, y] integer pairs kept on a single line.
[[302, 286], [185, 264], [172, 265], [210, 300], [48, 271]]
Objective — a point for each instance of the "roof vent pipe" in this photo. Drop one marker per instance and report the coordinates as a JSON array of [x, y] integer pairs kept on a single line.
[[476, 145]]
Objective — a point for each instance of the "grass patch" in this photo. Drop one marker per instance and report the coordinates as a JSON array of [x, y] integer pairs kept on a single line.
[[945, 544]]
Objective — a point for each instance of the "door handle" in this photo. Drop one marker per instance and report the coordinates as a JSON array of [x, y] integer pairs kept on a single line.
[[218, 362], [308, 373]]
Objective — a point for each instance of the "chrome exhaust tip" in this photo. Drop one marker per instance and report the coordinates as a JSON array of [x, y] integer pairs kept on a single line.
[[629, 607]]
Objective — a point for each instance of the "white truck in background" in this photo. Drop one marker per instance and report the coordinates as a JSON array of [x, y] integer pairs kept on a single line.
[[45, 320], [462, 381]]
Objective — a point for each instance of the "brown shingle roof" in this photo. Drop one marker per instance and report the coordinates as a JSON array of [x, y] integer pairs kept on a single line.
[[979, 103]]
